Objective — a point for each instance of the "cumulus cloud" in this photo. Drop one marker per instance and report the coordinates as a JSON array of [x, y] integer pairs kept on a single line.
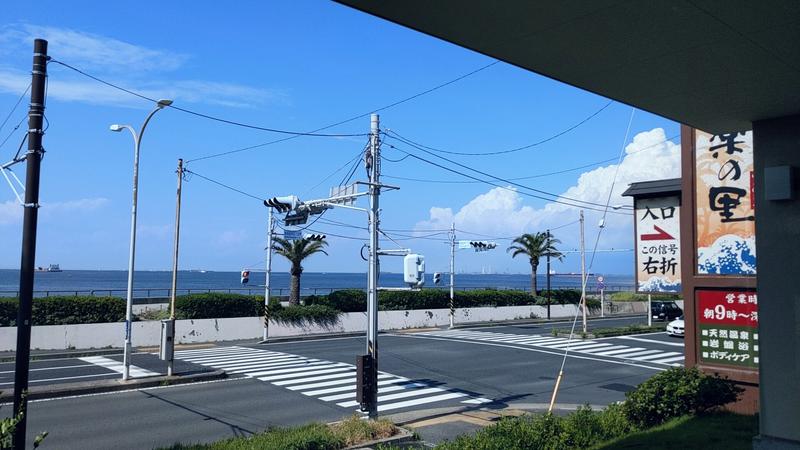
[[123, 63], [503, 212]]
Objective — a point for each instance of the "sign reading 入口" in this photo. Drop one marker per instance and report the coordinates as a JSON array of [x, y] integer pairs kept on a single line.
[[725, 218], [658, 244], [728, 328]]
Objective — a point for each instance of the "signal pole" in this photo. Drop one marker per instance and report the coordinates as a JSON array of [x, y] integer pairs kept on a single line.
[[29, 226], [270, 232], [173, 294], [548, 275], [452, 273], [583, 275], [373, 163]]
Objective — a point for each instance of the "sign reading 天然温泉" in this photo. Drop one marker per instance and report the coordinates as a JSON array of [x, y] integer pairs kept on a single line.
[[727, 322], [658, 253], [725, 218]]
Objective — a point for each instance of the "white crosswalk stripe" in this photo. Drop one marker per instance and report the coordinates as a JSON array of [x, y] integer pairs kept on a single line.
[[327, 381], [587, 346]]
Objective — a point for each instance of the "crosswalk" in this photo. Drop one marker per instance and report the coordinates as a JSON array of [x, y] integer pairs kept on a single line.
[[584, 346], [324, 380]]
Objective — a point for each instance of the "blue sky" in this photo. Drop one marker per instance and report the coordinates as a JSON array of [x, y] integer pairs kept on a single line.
[[299, 66]]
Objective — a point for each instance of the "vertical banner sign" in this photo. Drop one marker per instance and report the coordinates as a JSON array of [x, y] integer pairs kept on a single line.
[[728, 326], [725, 220], [658, 244]]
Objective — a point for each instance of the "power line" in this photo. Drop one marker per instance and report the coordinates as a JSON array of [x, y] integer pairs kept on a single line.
[[219, 183], [204, 115], [541, 175], [524, 147], [14, 108], [581, 203]]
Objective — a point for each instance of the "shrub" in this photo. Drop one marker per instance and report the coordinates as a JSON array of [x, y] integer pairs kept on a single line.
[[218, 305], [677, 392], [345, 300], [634, 297], [561, 296], [526, 432], [355, 429], [64, 310], [304, 314]]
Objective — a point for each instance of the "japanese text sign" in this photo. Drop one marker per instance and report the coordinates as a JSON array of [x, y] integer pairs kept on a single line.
[[728, 327], [658, 244]]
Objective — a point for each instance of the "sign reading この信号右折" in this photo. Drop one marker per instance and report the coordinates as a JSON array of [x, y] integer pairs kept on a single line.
[[658, 254]]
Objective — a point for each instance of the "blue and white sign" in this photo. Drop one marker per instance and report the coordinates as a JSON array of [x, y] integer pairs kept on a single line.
[[292, 234]]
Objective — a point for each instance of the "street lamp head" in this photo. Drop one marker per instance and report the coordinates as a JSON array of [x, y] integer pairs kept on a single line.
[[116, 127], [164, 102]]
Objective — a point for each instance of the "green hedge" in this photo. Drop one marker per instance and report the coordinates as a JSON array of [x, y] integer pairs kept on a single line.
[[217, 305], [65, 310], [304, 314], [634, 297]]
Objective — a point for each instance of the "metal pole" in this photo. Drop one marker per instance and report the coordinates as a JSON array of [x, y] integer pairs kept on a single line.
[[602, 302], [30, 220], [270, 232], [583, 275], [452, 272], [649, 310], [372, 281], [175, 267], [548, 275]]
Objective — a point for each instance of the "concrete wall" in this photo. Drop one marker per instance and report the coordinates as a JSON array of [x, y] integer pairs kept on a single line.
[[147, 334], [777, 143]]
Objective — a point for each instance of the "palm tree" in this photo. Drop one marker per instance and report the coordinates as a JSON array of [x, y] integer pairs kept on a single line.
[[535, 246], [296, 251]]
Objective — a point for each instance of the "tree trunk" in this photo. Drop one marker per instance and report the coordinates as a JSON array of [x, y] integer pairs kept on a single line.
[[294, 287], [534, 268]]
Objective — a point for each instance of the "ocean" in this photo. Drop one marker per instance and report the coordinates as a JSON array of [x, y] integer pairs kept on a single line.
[[157, 283]]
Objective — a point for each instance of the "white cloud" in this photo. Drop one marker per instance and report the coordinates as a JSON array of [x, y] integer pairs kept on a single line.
[[11, 211], [125, 64], [502, 212]]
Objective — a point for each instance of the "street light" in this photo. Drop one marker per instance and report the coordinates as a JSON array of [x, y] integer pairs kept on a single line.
[[137, 140]]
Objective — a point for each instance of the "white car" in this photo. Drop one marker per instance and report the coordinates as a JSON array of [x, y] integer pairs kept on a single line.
[[675, 328]]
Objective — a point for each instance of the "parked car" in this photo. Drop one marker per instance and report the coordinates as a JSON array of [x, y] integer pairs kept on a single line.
[[665, 310], [675, 328]]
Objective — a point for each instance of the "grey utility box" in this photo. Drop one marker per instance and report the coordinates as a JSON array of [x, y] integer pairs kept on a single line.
[[167, 337]]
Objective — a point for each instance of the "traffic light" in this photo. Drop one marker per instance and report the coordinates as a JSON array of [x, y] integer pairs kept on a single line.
[[437, 278], [283, 204], [366, 378], [481, 246], [296, 218], [314, 237]]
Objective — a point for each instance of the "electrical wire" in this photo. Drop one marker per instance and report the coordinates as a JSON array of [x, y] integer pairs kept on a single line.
[[529, 177], [14, 108], [349, 161], [204, 115], [13, 130], [524, 147], [219, 183], [503, 180], [556, 200]]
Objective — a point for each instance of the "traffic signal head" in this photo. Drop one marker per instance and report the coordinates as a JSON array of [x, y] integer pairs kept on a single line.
[[283, 204], [314, 237], [296, 218], [480, 246], [437, 278]]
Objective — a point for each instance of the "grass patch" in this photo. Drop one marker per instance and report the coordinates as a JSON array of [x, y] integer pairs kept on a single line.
[[630, 329], [634, 297], [722, 430], [315, 436]]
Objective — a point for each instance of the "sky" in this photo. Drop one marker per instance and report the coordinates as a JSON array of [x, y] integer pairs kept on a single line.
[[300, 66]]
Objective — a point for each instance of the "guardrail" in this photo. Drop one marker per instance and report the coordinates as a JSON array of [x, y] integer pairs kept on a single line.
[[160, 293]]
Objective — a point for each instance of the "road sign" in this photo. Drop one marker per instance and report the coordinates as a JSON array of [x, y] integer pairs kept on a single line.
[[600, 279], [292, 235], [657, 244], [344, 195]]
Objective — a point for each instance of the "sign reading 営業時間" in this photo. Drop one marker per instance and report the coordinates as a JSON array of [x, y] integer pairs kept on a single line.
[[728, 327]]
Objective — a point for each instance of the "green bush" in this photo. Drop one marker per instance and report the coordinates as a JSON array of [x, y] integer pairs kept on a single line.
[[65, 310], [304, 314], [354, 300], [345, 300], [677, 392], [216, 305], [562, 296], [634, 297], [526, 432], [314, 436]]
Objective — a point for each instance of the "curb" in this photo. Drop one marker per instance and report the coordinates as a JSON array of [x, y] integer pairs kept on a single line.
[[72, 389]]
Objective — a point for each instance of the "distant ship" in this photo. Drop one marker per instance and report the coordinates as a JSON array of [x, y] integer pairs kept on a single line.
[[52, 268]]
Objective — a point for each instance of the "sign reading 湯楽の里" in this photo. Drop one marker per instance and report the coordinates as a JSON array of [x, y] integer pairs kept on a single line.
[[658, 244], [725, 220], [727, 322]]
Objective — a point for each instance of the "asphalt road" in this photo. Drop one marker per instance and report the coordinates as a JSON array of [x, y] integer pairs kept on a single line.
[[422, 374]]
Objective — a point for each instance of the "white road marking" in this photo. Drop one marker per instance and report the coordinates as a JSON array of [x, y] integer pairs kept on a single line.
[[53, 368], [117, 366], [63, 378], [657, 356], [631, 338]]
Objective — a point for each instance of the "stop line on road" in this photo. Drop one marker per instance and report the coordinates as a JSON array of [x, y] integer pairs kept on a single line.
[[327, 381], [584, 346]]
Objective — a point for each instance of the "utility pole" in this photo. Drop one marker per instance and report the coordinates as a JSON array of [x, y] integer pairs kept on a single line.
[[452, 273], [173, 295], [548, 275], [270, 232], [583, 275], [373, 161], [31, 216]]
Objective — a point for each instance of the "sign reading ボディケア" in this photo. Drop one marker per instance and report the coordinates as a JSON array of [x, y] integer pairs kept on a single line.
[[728, 327], [658, 244], [725, 204]]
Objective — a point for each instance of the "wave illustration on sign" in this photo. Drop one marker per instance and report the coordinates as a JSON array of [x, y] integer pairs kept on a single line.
[[658, 284], [728, 255]]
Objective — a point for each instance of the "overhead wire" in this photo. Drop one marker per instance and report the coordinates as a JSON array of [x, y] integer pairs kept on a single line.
[[14, 108], [226, 186], [524, 147]]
